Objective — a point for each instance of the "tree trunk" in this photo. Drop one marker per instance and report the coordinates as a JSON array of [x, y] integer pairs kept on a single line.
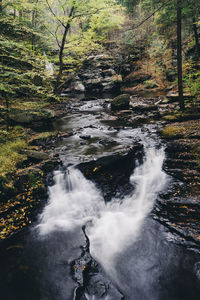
[[179, 54], [62, 47], [20, 14], [7, 112], [196, 37], [1, 6], [33, 37]]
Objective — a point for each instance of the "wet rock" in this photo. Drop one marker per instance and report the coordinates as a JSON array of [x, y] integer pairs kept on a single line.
[[143, 107], [108, 143], [121, 102], [197, 270], [85, 137], [79, 87], [138, 120], [90, 278], [47, 139], [112, 173], [50, 165], [179, 208], [126, 112], [74, 86], [36, 155]]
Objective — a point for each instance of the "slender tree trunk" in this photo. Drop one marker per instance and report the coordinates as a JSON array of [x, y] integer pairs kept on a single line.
[[33, 37], [20, 14], [196, 36], [62, 47], [1, 6], [179, 54], [7, 112]]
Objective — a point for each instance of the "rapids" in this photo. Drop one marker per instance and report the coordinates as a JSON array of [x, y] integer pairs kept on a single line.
[[136, 256]]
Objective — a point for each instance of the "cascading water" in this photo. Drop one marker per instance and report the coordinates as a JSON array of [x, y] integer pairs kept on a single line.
[[111, 227], [137, 258], [49, 66]]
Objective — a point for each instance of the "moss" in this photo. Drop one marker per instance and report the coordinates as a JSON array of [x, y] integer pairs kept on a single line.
[[10, 156], [150, 84], [43, 137], [170, 118], [120, 102], [14, 133], [172, 132]]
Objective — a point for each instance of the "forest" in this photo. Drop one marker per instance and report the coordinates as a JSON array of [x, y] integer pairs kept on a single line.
[[99, 149]]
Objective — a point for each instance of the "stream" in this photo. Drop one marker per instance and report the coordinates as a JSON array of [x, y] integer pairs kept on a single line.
[[123, 251]]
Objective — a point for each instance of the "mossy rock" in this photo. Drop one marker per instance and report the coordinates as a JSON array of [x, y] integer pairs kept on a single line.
[[150, 84], [172, 132], [172, 118], [180, 117], [121, 102], [36, 155], [30, 116]]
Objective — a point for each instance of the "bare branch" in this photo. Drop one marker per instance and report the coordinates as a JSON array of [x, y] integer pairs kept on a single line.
[[51, 10], [57, 36], [54, 34], [89, 13], [64, 10], [151, 15]]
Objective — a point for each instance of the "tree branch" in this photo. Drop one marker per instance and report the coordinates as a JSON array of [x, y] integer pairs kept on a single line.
[[88, 13], [51, 10], [151, 15], [54, 34]]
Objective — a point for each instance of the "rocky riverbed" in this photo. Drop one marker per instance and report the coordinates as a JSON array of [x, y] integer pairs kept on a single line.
[[123, 196]]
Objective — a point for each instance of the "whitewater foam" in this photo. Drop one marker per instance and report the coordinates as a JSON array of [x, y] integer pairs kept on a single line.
[[111, 227]]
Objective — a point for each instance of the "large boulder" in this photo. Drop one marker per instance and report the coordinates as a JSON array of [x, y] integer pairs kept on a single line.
[[136, 78], [36, 155], [30, 115], [98, 74], [121, 102], [112, 173], [77, 86]]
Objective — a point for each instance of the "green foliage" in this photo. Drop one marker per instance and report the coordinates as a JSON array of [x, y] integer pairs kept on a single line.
[[150, 84], [20, 67], [16, 132], [192, 83], [10, 156], [192, 78]]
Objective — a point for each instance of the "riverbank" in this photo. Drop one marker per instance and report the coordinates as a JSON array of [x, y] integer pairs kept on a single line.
[[27, 160]]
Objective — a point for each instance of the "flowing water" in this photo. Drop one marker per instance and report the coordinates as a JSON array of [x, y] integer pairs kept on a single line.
[[134, 252], [111, 227]]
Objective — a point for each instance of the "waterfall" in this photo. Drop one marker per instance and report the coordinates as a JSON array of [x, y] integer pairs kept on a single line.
[[111, 227], [49, 66]]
